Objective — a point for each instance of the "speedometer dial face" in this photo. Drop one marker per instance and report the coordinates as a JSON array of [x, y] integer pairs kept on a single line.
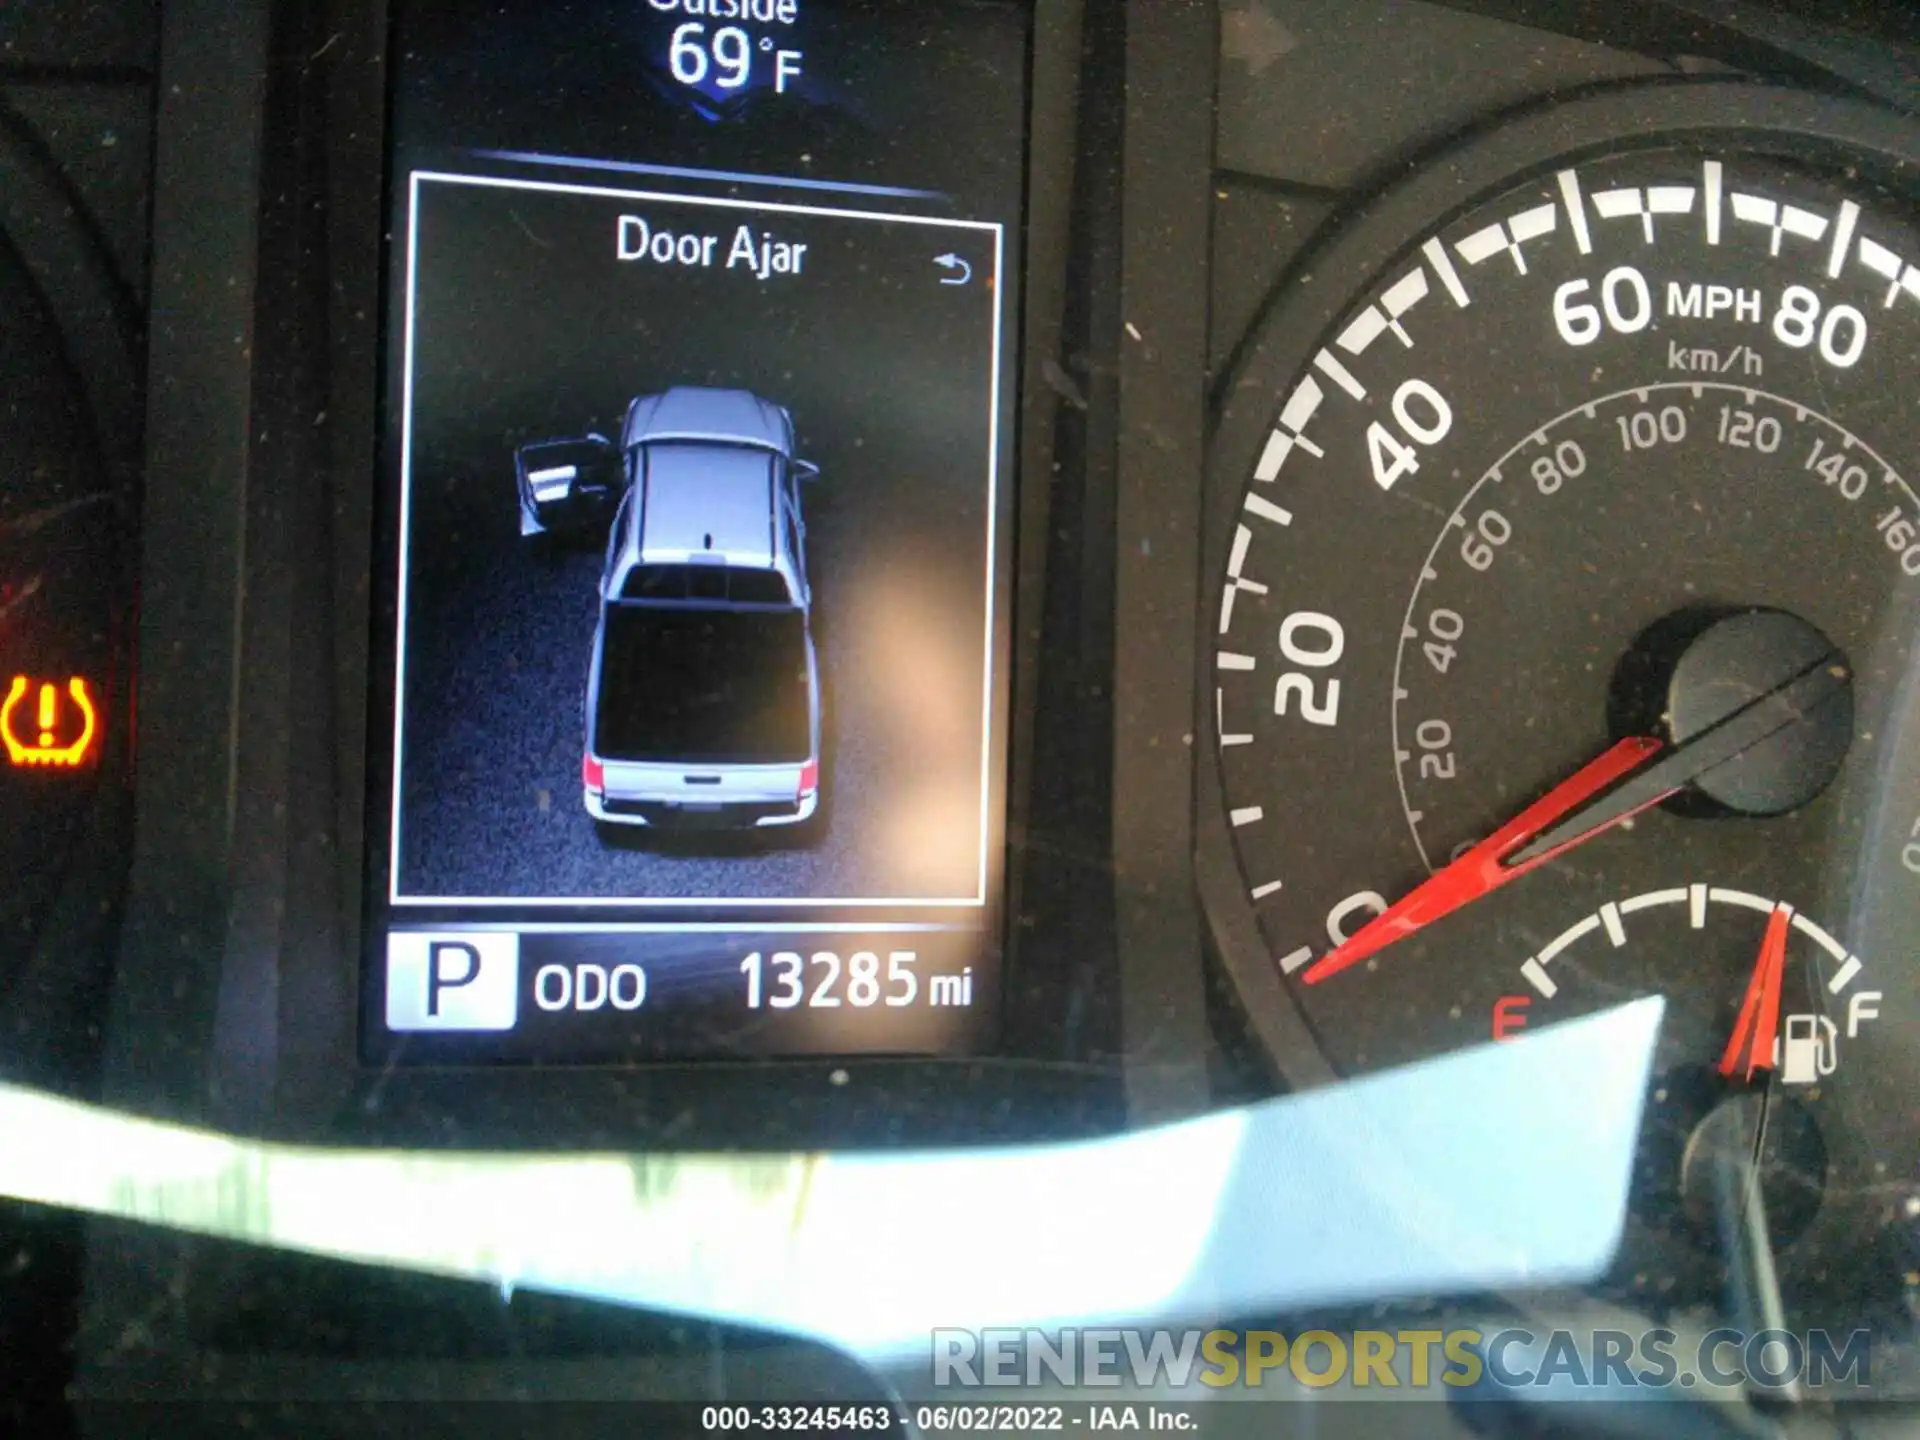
[[1566, 583]]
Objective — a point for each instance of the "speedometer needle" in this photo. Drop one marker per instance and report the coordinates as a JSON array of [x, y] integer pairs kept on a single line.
[[1485, 867], [1636, 774], [1760, 1010]]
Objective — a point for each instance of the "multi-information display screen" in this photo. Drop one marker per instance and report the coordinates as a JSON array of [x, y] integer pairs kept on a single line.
[[690, 730]]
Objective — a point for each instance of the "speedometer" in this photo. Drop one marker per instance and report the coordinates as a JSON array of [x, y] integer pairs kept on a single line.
[[1566, 577]]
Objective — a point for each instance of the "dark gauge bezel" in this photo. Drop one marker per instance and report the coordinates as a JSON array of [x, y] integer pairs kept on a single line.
[[1881, 148], [53, 975]]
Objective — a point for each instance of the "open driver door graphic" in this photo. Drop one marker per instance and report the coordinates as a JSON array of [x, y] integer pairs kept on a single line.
[[568, 485]]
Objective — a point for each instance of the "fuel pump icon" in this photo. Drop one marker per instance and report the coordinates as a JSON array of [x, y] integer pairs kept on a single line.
[[1808, 1049], [42, 723]]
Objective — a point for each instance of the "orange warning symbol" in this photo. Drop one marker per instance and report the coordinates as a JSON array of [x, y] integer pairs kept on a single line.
[[41, 725]]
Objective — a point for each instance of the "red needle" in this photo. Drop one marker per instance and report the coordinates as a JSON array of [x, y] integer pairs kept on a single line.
[[1483, 869], [1760, 1010]]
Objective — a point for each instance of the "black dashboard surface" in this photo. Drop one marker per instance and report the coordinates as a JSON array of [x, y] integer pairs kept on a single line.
[[1127, 635]]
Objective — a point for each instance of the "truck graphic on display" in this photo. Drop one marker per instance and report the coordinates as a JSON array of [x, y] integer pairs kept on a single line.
[[703, 692]]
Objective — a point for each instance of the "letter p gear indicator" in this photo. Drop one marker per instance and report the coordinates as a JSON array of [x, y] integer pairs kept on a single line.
[[467, 981]]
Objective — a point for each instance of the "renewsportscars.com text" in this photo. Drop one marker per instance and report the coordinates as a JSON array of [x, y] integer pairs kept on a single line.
[[1376, 1360]]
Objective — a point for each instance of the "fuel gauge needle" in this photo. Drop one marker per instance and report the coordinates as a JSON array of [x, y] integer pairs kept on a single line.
[[1634, 775], [1759, 1019]]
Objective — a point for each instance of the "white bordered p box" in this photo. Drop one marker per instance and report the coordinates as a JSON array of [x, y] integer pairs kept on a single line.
[[452, 981]]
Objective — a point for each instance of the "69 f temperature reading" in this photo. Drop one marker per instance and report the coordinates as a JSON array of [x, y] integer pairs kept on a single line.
[[729, 58]]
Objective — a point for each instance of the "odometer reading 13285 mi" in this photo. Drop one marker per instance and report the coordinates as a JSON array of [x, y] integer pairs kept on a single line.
[[1561, 640]]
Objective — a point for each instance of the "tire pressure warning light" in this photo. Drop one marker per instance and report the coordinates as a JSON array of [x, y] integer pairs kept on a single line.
[[42, 723]]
